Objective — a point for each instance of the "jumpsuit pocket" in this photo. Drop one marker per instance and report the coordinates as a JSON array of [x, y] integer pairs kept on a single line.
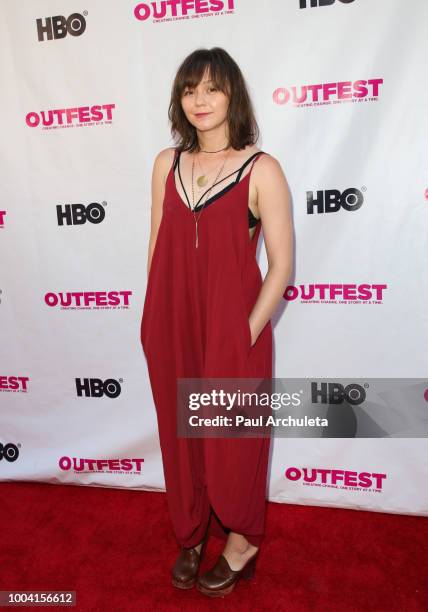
[[246, 325], [248, 346]]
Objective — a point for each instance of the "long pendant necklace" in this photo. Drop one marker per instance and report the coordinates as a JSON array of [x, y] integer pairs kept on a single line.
[[193, 196], [202, 180]]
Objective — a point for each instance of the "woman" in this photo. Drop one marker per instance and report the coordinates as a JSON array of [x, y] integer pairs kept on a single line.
[[207, 311]]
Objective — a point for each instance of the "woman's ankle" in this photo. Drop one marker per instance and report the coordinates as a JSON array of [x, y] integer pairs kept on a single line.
[[239, 544]]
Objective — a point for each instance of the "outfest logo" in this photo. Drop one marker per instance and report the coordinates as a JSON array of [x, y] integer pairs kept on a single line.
[[2, 216], [77, 116], [319, 94], [336, 479], [336, 293], [173, 10], [84, 464], [14, 384], [88, 300]]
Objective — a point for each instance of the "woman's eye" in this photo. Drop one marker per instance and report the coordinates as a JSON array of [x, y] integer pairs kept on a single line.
[[189, 91]]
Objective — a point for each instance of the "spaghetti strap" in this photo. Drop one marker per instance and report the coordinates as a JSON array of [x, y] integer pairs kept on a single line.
[[176, 155], [179, 174], [244, 165]]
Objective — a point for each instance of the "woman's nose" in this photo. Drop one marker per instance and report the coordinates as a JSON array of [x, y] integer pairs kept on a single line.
[[199, 97]]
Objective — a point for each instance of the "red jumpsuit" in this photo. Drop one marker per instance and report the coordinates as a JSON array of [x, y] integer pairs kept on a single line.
[[195, 324]]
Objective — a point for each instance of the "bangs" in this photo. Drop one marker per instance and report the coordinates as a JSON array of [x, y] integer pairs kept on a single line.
[[193, 73]]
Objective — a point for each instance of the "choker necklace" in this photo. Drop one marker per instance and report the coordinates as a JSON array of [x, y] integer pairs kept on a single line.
[[223, 149]]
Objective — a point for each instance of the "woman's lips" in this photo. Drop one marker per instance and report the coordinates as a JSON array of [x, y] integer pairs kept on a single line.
[[202, 114]]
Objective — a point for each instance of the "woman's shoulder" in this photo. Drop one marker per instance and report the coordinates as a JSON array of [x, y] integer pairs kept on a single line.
[[166, 155], [163, 161], [266, 161], [267, 170]]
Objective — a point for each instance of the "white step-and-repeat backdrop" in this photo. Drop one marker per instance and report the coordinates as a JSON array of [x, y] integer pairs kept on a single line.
[[339, 89]]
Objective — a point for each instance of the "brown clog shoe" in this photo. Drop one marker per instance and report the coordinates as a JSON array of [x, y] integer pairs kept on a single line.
[[185, 570], [220, 580]]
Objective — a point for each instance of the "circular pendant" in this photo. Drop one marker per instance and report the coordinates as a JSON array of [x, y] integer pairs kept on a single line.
[[202, 180]]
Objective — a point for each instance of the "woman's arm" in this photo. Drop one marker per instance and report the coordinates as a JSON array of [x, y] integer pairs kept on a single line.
[[274, 205], [161, 167]]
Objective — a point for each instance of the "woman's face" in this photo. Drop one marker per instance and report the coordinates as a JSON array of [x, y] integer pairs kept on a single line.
[[205, 106]]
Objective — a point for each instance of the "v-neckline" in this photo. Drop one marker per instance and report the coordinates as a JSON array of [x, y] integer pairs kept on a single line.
[[217, 195], [213, 198]]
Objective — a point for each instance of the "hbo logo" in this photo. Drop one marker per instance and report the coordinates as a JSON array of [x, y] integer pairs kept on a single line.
[[78, 214], [335, 393], [59, 26], [331, 200], [9, 452], [95, 387], [304, 3]]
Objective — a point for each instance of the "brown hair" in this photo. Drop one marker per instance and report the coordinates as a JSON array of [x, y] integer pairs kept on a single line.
[[227, 76]]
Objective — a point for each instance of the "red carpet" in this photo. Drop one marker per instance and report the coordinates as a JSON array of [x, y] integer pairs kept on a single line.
[[115, 549]]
